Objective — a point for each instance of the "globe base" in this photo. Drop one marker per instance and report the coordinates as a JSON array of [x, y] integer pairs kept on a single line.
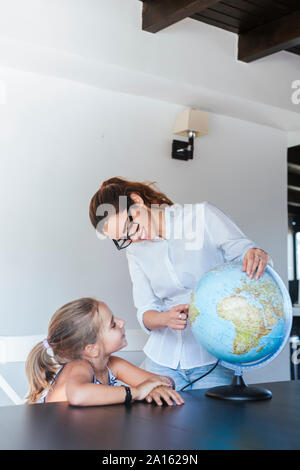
[[239, 391]]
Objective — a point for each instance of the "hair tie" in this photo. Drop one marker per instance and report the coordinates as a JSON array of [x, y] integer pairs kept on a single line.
[[46, 344]]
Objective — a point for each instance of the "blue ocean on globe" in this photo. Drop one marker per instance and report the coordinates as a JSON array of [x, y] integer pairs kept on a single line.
[[241, 321]]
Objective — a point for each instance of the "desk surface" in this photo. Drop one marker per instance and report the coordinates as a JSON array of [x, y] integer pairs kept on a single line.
[[201, 423]]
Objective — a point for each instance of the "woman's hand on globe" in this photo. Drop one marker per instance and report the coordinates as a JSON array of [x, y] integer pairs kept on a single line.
[[255, 258], [176, 317]]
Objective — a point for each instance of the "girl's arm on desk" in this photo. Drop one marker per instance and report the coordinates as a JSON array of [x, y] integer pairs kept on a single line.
[[134, 376], [80, 390]]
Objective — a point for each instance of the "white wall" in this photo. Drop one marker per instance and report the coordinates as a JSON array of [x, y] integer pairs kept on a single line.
[[60, 139], [293, 138], [101, 42]]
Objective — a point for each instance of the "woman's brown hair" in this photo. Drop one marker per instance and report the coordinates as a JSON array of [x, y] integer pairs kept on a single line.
[[111, 189], [71, 328]]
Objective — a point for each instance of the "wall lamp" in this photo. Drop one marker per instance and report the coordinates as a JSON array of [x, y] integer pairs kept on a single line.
[[191, 123]]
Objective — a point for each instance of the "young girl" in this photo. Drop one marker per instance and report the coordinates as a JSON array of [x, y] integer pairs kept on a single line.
[[74, 363]]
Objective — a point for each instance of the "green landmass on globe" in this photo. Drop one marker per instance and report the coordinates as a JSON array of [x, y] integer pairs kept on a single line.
[[254, 307]]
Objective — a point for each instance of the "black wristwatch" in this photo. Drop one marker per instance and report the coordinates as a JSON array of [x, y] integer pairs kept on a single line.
[[128, 398]]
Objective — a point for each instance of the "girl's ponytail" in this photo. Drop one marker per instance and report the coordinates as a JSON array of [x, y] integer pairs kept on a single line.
[[40, 371]]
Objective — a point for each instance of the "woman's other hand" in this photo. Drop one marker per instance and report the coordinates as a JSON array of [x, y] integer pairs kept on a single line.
[[255, 259], [176, 317]]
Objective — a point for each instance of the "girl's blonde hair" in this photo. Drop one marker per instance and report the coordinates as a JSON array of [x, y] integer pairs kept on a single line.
[[71, 328]]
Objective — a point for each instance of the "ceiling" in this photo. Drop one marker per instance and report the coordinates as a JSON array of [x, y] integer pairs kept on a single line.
[[263, 26]]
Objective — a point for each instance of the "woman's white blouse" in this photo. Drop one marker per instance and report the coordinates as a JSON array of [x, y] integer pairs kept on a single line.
[[165, 271]]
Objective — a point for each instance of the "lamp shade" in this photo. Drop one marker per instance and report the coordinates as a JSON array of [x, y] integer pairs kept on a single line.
[[191, 120]]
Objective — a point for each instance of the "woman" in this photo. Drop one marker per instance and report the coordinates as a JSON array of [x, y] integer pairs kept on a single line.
[[169, 247]]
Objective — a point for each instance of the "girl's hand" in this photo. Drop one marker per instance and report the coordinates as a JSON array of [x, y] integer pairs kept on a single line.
[[143, 389], [169, 381], [176, 317], [255, 258], [166, 394]]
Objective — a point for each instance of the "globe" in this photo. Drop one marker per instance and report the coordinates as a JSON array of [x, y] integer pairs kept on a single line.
[[243, 322]]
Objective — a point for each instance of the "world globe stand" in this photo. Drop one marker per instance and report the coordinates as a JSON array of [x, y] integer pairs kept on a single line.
[[239, 391], [244, 323]]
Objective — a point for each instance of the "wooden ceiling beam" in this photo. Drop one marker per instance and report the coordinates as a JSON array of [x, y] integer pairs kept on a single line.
[[269, 38], [159, 14]]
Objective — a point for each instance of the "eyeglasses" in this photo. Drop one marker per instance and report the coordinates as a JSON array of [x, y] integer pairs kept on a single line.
[[132, 229]]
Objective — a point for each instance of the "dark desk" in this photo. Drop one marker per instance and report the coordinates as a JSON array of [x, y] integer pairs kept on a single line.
[[201, 423]]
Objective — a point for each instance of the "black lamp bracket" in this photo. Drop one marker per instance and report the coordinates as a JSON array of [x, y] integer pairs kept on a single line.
[[183, 150]]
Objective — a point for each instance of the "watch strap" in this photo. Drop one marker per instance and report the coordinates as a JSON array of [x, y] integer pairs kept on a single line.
[[128, 398]]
